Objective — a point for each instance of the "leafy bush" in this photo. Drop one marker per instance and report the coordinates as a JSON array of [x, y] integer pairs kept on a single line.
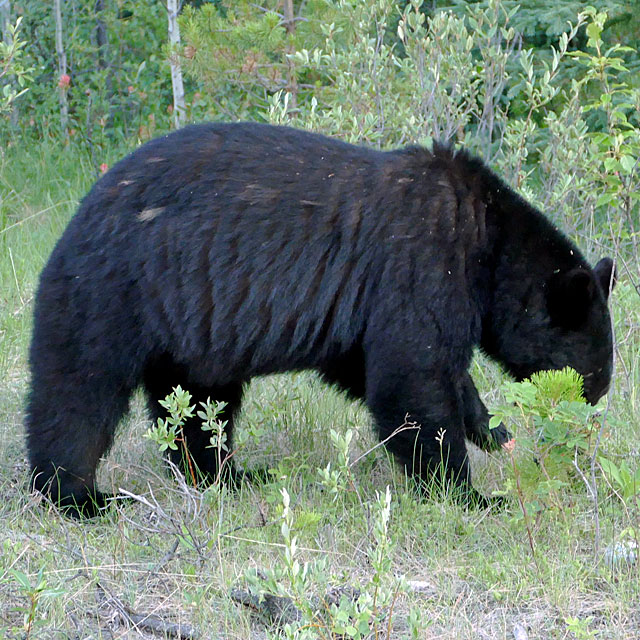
[[557, 434], [554, 429], [239, 54], [12, 68], [563, 126], [119, 85]]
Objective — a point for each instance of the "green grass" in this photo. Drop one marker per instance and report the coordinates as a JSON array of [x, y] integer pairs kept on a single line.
[[179, 553]]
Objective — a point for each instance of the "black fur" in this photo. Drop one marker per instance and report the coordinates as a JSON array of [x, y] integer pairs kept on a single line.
[[227, 251]]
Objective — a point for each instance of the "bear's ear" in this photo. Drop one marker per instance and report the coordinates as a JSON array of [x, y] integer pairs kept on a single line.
[[569, 298], [606, 275]]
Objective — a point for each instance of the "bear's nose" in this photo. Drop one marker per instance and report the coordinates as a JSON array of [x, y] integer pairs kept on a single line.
[[593, 392]]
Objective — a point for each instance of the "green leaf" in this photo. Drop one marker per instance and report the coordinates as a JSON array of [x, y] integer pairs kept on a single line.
[[21, 578], [628, 163], [610, 469], [594, 32], [611, 164], [342, 616], [605, 198], [578, 54]]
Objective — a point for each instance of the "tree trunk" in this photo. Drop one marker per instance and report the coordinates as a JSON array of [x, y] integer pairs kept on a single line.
[[292, 81], [101, 35], [62, 70], [174, 61]]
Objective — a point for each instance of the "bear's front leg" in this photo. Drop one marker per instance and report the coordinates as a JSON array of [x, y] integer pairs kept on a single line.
[[476, 419], [436, 454]]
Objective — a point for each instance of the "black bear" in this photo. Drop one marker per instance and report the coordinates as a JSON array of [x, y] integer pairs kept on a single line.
[[227, 251]]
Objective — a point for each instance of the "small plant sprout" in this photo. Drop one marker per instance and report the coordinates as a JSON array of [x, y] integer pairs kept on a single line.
[[335, 480], [210, 416], [167, 434], [35, 592]]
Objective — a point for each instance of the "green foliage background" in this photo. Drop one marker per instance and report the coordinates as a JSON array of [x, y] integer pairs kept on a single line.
[[514, 82], [117, 87]]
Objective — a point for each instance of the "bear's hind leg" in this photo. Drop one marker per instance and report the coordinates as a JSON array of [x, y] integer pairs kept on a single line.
[[198, 459], [70, 425]]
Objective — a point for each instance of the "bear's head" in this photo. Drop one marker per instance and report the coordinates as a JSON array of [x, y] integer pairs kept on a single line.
[[553, 320]]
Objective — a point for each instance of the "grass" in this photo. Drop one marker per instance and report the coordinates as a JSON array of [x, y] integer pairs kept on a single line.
[[178, 553]]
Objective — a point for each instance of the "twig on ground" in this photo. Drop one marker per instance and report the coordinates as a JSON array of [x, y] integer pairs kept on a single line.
[[166, 557], [144, 621], [181, 528]]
